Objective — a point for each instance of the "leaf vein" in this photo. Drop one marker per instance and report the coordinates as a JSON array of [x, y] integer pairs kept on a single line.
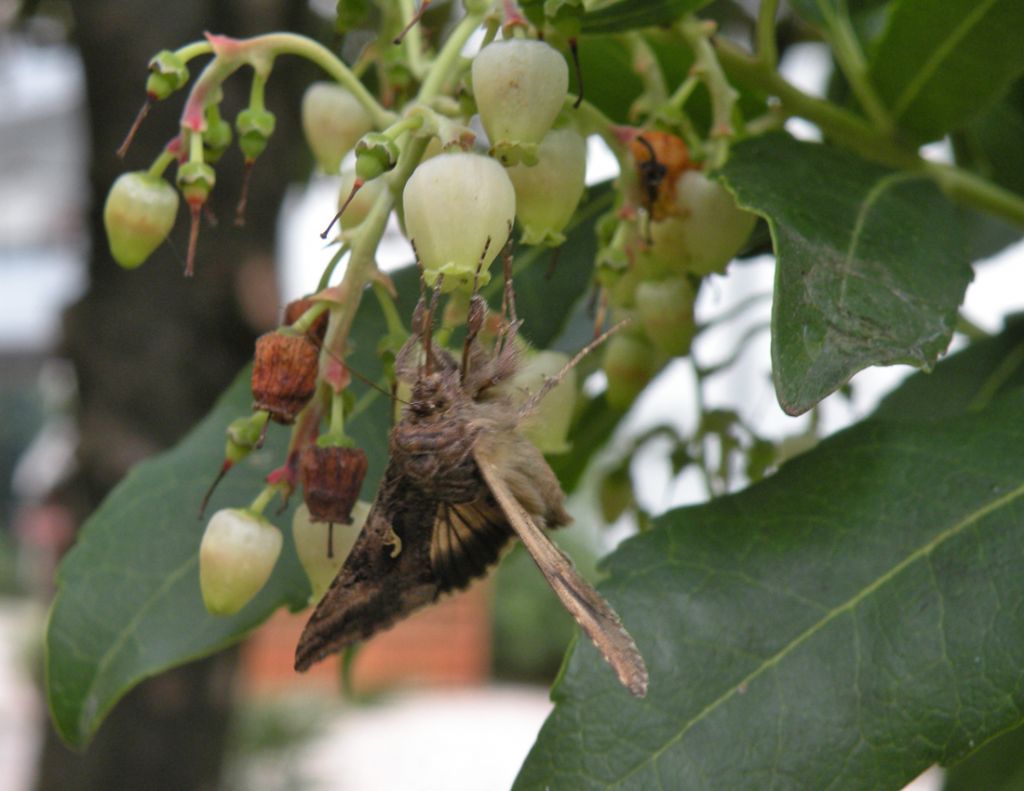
[[921, 552], [931, 64], [115, 648]]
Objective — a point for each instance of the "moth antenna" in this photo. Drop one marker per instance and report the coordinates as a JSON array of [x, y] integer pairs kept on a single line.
[[551, 382], [477, 312], [366, 380]]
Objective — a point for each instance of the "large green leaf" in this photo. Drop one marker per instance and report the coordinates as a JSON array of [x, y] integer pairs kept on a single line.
[[939, 64], [128, 602], [865, 16], [998, 766], [968, 380], [843, 624], [628, 15], [991, 144], [871, 263]]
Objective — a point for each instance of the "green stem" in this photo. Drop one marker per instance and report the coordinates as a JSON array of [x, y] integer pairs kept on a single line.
[[361, 263], [337, 421], [305, 321], [682, 94], [408, 124], [646, 67], [593, 121], [854, 132], [387, 307], [195, 147], [448, 57], [257, 91], [260, 51], [193, 50], [966, 187], [850, 58], [161, 163], [262, 500], [844, 126], [764, 34], [325, 278], [723, 96]]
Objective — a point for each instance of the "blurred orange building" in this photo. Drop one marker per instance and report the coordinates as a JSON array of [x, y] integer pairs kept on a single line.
[[446, 644]]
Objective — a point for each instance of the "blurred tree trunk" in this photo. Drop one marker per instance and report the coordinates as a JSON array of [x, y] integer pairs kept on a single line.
[[153, 350]]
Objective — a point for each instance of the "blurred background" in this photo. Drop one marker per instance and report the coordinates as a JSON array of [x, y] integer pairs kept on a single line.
[[100, 368]]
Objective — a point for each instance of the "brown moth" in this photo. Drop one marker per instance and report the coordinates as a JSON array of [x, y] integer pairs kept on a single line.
[[460, 483]]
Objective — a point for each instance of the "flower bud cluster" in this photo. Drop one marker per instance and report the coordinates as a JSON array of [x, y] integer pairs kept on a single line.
[[675, 228]]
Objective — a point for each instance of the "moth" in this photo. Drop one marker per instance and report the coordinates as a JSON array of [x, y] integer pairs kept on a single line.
[[460, 484]]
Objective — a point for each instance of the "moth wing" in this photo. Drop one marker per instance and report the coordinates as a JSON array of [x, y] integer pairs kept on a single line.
[[594, 615], [383, 579], [467, 539]]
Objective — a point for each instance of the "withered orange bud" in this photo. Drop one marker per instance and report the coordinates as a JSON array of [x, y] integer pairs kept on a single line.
[[283, 374], [293, 312], [660, 159], [331, 479]]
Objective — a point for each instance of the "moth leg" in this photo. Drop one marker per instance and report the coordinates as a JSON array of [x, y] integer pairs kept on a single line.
[[594, 615], [550, 382], [509, 323], [477, 313]]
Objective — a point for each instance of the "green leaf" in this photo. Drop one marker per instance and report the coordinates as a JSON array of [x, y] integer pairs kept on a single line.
[[128, 604], [995, 767], [629, 15], [968, 380], [871, 263], [843, 624], [611, 85], [991, 144], [940, 64], [866, 16]]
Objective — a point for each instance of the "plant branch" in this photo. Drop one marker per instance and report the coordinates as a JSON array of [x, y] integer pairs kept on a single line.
[[764, 33], [850, 58], [854, 132], [843, 125], [966, 187], [697, 32]]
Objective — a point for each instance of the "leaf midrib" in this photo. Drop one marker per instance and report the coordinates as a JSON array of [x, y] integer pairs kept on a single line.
[[931, 64], [874, 195], [831, 615], [115, 648]]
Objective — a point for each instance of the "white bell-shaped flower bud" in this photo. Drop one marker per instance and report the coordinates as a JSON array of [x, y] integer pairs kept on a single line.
[[236, 556], [333, 120], [456, 207], [519, 85], [321, 555], [547, 193], [708, 230], [548, 426]]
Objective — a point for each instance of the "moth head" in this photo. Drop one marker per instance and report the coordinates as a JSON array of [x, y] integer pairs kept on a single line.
[[434, 393]]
